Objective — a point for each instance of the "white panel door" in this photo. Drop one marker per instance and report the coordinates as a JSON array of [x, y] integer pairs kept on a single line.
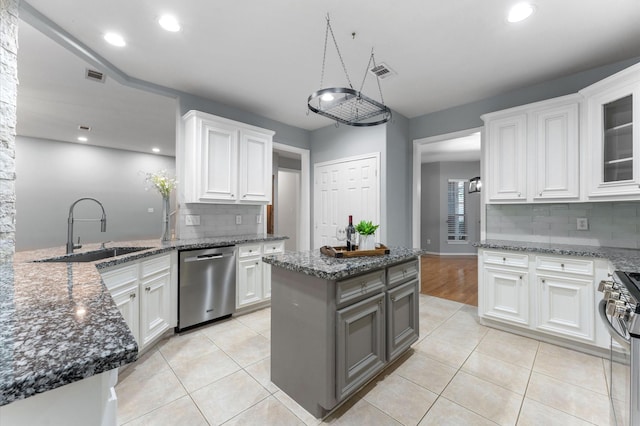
[[345, 187]]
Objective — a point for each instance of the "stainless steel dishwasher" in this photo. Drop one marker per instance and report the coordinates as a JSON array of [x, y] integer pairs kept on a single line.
[[207, 285]]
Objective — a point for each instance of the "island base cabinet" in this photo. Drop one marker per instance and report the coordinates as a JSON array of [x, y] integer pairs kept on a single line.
[[330, 337], [360, 347], [402, 318]]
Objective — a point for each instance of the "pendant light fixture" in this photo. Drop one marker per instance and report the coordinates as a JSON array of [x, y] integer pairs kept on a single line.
[[345, 104]]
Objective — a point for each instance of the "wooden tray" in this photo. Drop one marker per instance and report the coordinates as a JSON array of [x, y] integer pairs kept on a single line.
[[340, 252]]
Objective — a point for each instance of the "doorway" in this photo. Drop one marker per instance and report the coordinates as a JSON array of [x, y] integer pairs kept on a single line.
[[288, 216], [447, 218]]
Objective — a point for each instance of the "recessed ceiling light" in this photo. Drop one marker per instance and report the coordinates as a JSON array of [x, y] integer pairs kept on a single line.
[[520, 12], [82, 138], [156, 150], [169, 23], [115, 39]]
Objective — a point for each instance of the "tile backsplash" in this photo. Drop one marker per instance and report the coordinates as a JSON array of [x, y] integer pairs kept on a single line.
[[611, 224], [219, 220]]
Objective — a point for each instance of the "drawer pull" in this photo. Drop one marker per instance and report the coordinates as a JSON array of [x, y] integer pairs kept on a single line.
[[504, 259], [520, 276], [132, 296], [147, 288], [544, 281], [562, 265]]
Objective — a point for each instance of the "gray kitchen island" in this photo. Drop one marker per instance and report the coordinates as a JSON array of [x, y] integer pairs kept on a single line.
[[337, 323]]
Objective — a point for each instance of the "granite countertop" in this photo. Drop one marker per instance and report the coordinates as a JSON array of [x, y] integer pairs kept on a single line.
[[58, 322], [322, 266], [627, 260]]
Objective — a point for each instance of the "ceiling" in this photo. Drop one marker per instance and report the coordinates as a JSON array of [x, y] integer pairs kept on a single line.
[[265, 57]]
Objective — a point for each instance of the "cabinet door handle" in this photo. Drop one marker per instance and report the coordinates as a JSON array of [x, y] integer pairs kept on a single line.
[[393, 298], [132, 296], [504, 259], [233, 195], [521, 277], [562, 265], [541, 194], [519, 194], [543, 281], [147, 288], [257, 263]]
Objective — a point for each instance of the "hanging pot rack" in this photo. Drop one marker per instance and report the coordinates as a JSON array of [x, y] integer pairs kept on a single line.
[[345, 104]]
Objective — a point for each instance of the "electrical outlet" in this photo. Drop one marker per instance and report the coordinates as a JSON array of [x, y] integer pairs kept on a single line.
[[150, 210], [192, 220], [582, 224], [258, 218], [238, 219], [428, 241]]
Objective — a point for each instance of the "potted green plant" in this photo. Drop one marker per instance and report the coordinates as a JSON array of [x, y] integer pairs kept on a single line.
[[366, 229]]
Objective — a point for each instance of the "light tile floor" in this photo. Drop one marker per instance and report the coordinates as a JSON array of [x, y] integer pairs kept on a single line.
[[458, 373]]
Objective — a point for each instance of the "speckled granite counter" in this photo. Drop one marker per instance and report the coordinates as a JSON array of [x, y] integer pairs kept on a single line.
[[58, 322], [622, 259], [319, 265]]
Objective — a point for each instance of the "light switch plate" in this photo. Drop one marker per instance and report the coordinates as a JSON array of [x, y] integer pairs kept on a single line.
[[582, 224], [238, 219], [192, 220]]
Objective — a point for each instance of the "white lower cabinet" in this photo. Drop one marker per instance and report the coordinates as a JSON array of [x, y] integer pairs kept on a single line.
[[552, 295], [253, 282], [145, 292], [566, 306], [506, 294]]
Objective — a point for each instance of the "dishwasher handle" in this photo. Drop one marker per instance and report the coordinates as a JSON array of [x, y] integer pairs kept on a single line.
[[213, 256]]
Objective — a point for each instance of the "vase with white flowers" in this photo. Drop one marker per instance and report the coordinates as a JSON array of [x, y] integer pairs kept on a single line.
[[164, 185]]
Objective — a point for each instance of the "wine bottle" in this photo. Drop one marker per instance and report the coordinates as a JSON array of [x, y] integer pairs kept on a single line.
[[351, 232]]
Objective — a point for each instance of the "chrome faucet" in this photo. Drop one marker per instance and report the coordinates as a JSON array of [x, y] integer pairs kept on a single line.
[[103, 224]]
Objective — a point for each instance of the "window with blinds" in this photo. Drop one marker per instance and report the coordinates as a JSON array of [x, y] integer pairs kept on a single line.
[[456, 205]]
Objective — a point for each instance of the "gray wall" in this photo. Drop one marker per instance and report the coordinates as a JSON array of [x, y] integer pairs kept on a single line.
[[399, 177], [467, 116], [611, 224], [52, 175], [430, 207], [435, 177]]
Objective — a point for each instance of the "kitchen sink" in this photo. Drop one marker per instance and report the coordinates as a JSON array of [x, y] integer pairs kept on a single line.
[[92, 256]]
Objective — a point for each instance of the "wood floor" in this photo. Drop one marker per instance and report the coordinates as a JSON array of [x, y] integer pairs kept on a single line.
[[450, 277]]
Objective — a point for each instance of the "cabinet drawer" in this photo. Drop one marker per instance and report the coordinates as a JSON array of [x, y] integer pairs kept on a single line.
[[155, 265], [572, 266], [400, 273], [272, 247], [122, 275], [355, 288], [506, 259], [250, 250]]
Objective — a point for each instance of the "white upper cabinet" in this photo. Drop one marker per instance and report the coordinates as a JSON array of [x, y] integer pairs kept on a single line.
[[532, 152], [613, 110], [224, 161], [555, 140], [506, 156]]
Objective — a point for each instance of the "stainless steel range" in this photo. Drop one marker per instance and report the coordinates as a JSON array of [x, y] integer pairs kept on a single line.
[[620, 311]]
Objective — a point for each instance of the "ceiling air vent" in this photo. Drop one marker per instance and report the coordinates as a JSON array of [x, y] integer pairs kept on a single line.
[[382, 71], [95, 75]]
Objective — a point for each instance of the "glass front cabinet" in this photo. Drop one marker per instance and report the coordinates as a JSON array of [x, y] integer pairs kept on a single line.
[[613, 154]]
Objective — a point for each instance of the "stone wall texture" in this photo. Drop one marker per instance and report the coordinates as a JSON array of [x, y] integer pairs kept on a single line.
[[8, 101]]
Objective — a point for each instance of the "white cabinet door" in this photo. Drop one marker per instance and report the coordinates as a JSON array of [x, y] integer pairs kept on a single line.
[[255, 167], [249, 281], [219, 162], [155, 315], [566, 306], [126, 299], [506, 295], [506, 156], [613, 143], [555, 140]]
